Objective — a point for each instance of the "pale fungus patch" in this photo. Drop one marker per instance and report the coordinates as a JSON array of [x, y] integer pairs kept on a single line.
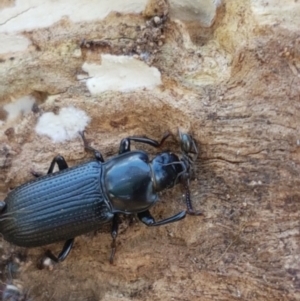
[[120, 73], [64, 126], [20, 106]]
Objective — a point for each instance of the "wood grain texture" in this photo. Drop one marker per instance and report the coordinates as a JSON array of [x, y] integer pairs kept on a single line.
[[235, 87]]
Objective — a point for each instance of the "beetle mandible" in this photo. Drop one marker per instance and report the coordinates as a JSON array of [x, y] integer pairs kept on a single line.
[[62, 205]]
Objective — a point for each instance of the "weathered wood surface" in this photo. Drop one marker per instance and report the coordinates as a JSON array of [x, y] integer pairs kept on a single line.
[[235, 86]]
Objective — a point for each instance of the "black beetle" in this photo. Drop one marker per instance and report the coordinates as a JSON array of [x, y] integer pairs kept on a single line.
[[62, 205]]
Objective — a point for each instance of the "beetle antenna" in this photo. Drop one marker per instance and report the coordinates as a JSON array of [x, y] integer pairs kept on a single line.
[[188, 201]]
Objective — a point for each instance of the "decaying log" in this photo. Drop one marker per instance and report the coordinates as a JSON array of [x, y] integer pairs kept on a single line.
[[229, 76]]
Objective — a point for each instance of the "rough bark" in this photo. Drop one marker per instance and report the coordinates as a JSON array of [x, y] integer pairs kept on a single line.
[[235, 86]]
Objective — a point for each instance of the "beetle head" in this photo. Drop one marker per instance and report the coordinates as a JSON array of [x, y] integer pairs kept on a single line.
[[166, 168]]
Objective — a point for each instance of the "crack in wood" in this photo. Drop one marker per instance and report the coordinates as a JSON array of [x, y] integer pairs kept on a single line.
[[17, 15]]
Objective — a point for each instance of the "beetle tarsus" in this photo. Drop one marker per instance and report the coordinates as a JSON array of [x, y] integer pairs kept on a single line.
[[62, 255], [36, 173], [87, 147], [146, 218]]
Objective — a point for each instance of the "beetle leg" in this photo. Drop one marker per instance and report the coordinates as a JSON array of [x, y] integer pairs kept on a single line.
[[60, 161], [125, 143], [146, 218], [2, 206], [64, 253], [114, 234], [87, 147]]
